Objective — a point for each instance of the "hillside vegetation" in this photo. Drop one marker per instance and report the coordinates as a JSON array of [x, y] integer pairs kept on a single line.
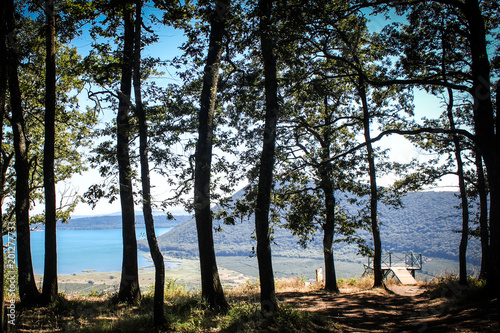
[[426, 224]]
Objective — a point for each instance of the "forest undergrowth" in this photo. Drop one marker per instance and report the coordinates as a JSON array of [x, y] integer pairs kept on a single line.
[[304, 307]]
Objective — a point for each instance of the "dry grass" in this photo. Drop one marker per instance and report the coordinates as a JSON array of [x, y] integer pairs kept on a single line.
[[251, 287], [298, 284], [355, 283]]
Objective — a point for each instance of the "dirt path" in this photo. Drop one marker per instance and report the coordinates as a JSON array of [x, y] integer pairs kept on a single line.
[[399, 309]]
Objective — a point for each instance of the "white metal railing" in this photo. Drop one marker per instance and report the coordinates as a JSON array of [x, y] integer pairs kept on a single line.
[[409, 260]]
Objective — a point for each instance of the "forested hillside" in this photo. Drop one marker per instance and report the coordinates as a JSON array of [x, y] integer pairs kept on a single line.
[[115, 222], [426, 224]]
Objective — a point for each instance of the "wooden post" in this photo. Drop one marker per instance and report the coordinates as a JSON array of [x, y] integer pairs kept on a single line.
[[319, 275]]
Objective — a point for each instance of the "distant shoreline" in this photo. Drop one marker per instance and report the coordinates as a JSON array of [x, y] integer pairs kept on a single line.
[[186, 273], [233, 270], [106, 222]]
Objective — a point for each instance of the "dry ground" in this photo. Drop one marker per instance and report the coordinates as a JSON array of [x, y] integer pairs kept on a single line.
[[398, 309]]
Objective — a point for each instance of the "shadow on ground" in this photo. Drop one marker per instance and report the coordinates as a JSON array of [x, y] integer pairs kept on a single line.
[[399, 309]]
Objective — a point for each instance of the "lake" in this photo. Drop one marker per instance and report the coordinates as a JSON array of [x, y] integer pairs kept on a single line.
[[77, 250]]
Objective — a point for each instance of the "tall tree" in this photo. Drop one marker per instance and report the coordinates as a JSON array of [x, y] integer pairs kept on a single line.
[[474, 21], [317, 126], [463, 192], [340, 37], [453, 146], [481, 190], [358, 59], [211, 286], [129, 284], [72, 125], [377, 243], [318, 136], [485, 125], [158, 312], [268, 300], [28, 291], [49, 291]]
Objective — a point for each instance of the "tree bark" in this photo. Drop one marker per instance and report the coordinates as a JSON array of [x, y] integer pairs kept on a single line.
[[463, 194], [28, 291], [158, 312], [49, 291], [328, 230], [483, 218], [377, 244], [129, 284], [211, 287], [269, 302], [326, 183]]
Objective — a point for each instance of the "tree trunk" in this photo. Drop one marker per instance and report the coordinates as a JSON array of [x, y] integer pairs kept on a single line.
[[483, 218], [211, 287], [28, 291], [328, 232], [129, 284], [325, 171], [49, 291], [158, 312], [484, 122], [463, 194], [269, 302], [377, 244]]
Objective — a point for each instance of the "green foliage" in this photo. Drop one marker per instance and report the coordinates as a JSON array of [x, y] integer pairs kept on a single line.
[[352, 281], [302, 217], [176, 291], [73, 125]]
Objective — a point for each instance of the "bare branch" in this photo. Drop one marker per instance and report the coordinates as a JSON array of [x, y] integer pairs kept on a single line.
[[405, 132]]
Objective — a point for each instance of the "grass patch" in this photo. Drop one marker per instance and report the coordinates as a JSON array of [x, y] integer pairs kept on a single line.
[[249, 318], [356, 283]]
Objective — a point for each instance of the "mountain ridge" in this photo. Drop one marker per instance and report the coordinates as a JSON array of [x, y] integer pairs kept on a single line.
[[115, 222], [427, 224]]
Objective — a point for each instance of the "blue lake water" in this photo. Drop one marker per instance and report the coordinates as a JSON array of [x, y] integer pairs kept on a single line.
[[78, 250]]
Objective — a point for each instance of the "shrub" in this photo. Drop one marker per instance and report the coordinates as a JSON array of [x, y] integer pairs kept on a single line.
[[249, 318], [447, 285]]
